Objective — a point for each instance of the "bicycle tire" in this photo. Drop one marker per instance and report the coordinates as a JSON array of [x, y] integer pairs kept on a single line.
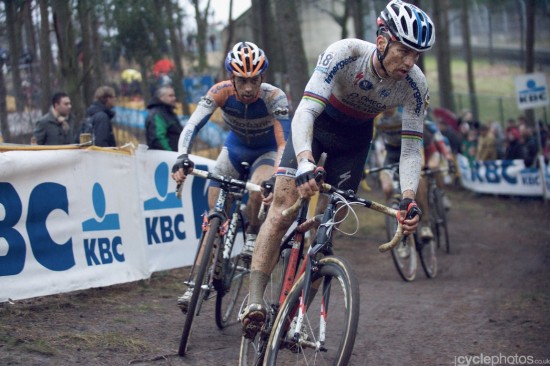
[[235, 272], [252, 351], [428, 257], [340, 290], [207, 242], [404, 254], [441, 220]]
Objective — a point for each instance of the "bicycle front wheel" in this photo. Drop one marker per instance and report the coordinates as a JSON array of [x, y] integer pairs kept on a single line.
[[252, 351], [440, 220], [403, 254], [209, 239], [327, 334], [428, 258]]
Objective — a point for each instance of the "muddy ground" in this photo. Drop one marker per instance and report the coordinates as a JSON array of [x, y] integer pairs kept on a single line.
[[491, 298]]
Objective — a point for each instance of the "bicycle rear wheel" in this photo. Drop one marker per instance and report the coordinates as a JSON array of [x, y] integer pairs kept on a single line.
[[252, 351], [232, 287], [404, 254], [440, 220], [428, 257], [207, 241], [332, 312]]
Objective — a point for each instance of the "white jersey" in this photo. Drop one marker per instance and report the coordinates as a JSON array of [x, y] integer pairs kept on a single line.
[[345, 88]]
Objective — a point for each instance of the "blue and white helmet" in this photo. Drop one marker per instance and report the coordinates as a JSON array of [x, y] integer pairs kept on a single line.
[[408, 24]]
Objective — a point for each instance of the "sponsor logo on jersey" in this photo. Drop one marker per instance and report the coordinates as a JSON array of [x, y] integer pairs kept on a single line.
[[417, 95], [339, 66]]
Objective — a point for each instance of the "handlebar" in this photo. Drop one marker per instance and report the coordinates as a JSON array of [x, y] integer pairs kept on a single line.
[[350, 196], [385, 167], [249, 186]]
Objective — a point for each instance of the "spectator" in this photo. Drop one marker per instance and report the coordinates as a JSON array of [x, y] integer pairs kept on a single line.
[[102, 113], [529, 141], [500, 138], [515, 149], [162, 125], [54, 128], [452, 136], [469, 146], [486, 145]]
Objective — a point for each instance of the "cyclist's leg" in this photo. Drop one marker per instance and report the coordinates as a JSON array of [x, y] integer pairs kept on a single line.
[[261, 170], [268, 240]]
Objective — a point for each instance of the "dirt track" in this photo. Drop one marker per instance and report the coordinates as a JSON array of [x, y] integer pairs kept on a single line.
[[491, 298]]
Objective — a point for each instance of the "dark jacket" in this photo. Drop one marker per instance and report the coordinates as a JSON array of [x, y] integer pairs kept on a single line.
[[48, 131], [103, 128], [162, 126]]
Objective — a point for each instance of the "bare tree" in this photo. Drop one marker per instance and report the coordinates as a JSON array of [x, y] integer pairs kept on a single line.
[[97, 44], [530, 50], [68, 59], [357, 14], [45, 57], [201, 17], [295, 55], [230, 30], [266, 37], [443, 53], [469, 58], [13, 26], [88, 84], [4, 127], [177, 53]]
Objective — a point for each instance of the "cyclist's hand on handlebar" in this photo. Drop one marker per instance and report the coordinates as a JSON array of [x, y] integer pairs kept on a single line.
[[409, 215], [305, 178], [181, 168], [267, 190]]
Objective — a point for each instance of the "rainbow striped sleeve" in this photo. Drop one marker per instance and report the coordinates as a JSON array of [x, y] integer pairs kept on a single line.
[[413, 135], [315, 98]]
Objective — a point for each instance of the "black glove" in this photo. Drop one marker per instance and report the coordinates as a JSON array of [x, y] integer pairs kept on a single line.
[[411, 207], [268, 185], [184, 163]]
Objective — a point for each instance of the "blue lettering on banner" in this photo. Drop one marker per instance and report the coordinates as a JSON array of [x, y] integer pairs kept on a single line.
[[493, 172], [163, 229], [102, 250], [44, 199], [107, 250], [13, 262]]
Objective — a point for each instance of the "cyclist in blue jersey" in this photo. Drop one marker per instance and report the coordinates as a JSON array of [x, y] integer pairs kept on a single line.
[[257, 116], [353, 82]]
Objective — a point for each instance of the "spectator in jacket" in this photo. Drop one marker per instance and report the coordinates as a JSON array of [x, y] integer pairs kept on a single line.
[[54, 127], [162, 125], [486, 144], [515, 149], [102, 114]]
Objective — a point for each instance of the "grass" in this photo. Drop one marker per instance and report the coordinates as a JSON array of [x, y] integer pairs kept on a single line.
[[494, 85]]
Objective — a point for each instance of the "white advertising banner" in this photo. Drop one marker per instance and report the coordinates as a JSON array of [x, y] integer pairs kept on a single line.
[[171, 227], [507, 177], [77, 219]]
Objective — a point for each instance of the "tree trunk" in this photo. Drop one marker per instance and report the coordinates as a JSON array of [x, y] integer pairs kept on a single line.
[[176, 52], [68, 59], [443, 54], [230, 34], [530, 50], [45, 58], [14, 39], [4, 127], [202, 27], [357, 15], [88, 82], [30, 50], [469, 58], [291, 36], [97, 44], [261, 10]]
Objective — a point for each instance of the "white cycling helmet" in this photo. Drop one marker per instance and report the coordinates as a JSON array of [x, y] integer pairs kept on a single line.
[[246, 60], [408, 24]]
